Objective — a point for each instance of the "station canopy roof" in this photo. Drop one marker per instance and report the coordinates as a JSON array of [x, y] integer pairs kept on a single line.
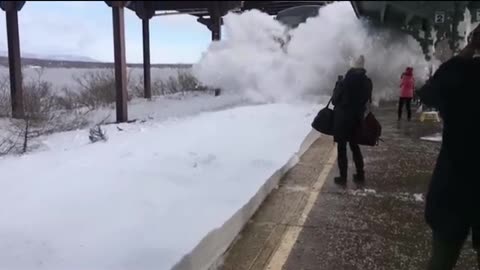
[[421, 18]]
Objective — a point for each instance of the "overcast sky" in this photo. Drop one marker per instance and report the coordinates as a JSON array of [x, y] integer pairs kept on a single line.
[[85, 28]]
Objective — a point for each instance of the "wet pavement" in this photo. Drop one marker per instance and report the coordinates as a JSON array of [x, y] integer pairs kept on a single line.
[[376, 226]]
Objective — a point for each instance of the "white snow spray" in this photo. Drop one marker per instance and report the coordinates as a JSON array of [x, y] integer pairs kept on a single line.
[[250, 60]]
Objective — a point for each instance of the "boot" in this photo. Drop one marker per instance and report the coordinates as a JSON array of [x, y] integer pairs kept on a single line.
[[340, 180], [359, 178]]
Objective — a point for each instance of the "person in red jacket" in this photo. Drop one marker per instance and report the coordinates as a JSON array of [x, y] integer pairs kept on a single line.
[[407, 87]]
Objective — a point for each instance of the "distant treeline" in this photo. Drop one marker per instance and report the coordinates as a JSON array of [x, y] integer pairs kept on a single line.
[[80, 64]]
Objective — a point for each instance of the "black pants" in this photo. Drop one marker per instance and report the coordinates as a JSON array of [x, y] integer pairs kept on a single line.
[[446, 252], [342, 158], [407, 102]]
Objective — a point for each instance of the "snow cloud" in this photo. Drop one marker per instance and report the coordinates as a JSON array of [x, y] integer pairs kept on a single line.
[[319, 50]]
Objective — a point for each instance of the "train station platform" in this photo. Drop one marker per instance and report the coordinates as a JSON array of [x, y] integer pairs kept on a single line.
[[309, 223]]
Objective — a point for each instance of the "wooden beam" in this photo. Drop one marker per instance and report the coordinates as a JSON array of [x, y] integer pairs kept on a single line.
[[120, 62], [146, 59], [15, 66]]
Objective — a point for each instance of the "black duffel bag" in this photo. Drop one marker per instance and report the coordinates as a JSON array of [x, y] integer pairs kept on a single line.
[[323, 122], [368, 132]]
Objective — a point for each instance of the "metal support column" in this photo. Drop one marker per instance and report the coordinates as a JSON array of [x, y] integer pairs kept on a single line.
[[146, 58], [14, 61], [216, 21], [427, 42], [120, 61], [216, 28]]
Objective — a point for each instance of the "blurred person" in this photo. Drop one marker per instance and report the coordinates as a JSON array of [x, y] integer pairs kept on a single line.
[[407, 87], [453, 201]]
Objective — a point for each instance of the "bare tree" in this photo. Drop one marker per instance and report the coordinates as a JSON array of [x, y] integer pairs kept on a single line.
[[96, 88], [43, 114], [7, 145], [186, 81], [5, 107], [97, 134]]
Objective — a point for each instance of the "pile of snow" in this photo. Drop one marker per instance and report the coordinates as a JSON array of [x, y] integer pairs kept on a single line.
[[148, 195], [160, 108], [437, 137], [254, 63], [419, 197]]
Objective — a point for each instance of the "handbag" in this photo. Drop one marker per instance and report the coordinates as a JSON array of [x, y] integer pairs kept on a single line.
[[323, 122], [368, 132]]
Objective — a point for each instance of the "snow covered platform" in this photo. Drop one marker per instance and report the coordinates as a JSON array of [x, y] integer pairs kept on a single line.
[[208, 254], [311, 223], [169, 194]]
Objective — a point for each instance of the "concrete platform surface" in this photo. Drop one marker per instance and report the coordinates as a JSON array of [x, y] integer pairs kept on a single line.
[[309, 223]]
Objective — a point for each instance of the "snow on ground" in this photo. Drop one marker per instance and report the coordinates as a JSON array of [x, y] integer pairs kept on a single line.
[[433, 138], [158, 109], [404, 196], [148, 195], [177, 105]]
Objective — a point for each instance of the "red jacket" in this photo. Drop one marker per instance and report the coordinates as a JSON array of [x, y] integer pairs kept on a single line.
[[407, 86]]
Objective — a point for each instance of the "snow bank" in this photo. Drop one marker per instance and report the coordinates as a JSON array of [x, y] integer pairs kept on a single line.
[[158, 109], [172, 106], [145, 198], [254, 64]]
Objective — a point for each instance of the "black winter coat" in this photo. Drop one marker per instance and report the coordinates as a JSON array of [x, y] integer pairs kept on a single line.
[[350, 98], [453, 199]]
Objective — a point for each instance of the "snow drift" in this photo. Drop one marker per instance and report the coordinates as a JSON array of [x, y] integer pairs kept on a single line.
[[251, 60], [140, 201]]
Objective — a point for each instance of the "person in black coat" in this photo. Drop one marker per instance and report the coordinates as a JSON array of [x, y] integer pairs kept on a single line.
[[350, 98], [453, 200]]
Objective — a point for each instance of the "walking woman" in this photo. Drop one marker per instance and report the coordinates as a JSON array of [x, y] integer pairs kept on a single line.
[[407, 87]]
